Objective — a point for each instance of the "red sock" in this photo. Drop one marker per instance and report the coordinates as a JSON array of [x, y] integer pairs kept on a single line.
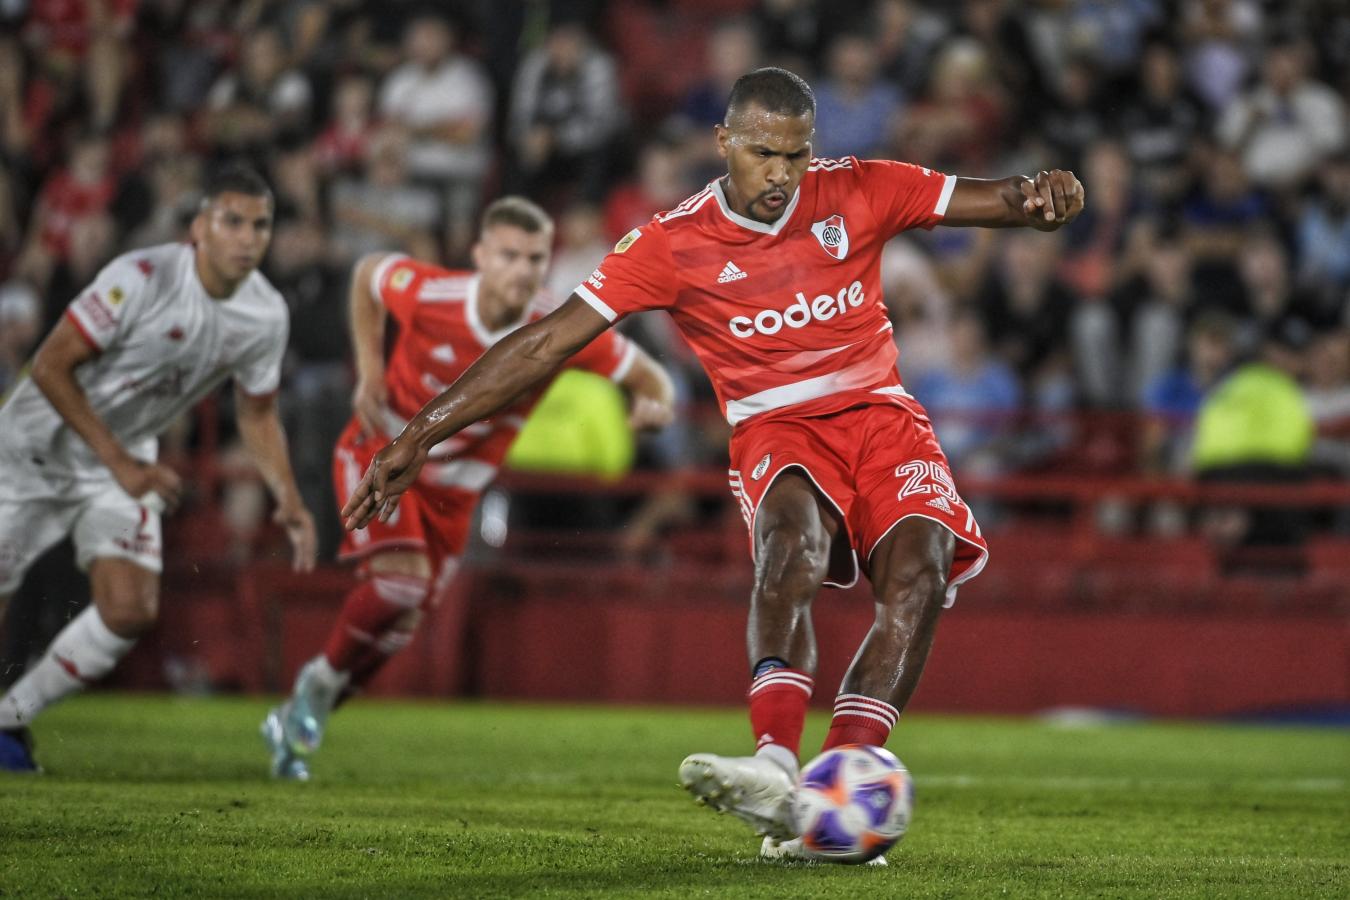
[[860, 720], [363, 636], [778, 701]]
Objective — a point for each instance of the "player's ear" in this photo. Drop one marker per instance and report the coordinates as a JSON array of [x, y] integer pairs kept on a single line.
[[197, 230], [476, 252], [723, 135]]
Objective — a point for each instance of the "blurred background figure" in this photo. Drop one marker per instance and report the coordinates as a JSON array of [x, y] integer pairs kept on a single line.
[[444, 101], [20, 327], [565, 115]]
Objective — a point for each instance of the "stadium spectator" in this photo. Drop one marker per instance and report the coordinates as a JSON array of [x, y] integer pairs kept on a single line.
[[565, 115], [733, 48], [920, 308], [858, 109], [443, 98], [663, 180], [1075, 122], [1027, 309], [1288, 124], [341, 148], [1323, 233], [973, 399], [1328, 393], [384, 210], [79, 193], [959, 121], [582, 241], [263, 104], [1159, 125], [1157, 310], [20, 327], [1256, 426], [1172, 399], [1221, 43], [908, 37]]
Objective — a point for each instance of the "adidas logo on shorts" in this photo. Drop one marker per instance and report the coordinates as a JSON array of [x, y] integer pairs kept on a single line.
[[942, 504], [730, 272]]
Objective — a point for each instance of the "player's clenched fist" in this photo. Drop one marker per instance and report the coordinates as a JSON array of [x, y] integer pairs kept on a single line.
[[391, 472], [1051, 199]]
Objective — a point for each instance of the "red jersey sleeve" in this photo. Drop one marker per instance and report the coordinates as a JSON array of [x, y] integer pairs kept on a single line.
[[903, 195], [396, 283], [638, 275], [610, 354]]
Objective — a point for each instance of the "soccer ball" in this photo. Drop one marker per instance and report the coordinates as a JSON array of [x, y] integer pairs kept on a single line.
[[852, 803]]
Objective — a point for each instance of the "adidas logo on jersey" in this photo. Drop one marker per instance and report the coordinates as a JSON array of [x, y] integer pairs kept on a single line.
[[730, 272], [942, 504]]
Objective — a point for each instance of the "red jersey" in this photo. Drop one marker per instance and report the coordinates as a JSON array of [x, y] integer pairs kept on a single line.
[[788, 314], [440, 335]]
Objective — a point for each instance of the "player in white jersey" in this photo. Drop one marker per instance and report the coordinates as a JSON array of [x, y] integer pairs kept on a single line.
[[156, 331]]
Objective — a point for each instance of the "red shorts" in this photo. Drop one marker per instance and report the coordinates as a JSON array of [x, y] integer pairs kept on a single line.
[[429, 519], [877, 464]]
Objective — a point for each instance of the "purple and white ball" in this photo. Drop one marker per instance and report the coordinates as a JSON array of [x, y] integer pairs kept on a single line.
[[853, 803]]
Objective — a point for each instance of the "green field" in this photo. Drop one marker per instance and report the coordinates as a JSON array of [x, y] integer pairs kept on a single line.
[[157, 796]]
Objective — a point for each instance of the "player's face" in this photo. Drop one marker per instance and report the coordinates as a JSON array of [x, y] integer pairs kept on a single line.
[[512, 263], [767, 155], [232, 234]]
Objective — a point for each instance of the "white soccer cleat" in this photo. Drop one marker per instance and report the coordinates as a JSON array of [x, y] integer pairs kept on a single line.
[[286, 764], [753, 789], [794, 851]]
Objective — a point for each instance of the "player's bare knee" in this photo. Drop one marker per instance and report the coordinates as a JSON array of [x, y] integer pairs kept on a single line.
[[129, 610], [914, 587], [793, 563]]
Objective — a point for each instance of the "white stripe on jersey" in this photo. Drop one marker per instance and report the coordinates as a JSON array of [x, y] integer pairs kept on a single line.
[[465, 474], [595, 302], [945, 197], [377, 275], [689, 206], [851, 378], [826, 164]]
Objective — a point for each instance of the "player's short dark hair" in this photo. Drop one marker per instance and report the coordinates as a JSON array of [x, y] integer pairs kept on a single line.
[[774, 90], [235, 178], [517, 212]]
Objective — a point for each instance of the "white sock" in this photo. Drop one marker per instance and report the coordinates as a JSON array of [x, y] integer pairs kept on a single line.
[[782, 756], [329, 678], [82, 653]]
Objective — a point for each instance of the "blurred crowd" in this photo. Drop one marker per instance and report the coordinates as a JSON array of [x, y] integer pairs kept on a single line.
[[1208, 278]]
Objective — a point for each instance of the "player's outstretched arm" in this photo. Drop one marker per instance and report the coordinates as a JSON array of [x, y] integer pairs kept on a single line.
[[512, 366], [1048, 201], [61, 353], [265, 440]]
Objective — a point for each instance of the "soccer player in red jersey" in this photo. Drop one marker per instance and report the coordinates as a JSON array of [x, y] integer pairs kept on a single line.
[[772, 274], [446, 320]]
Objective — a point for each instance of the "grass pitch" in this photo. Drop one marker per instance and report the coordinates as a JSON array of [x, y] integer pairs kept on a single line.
[[156, 796]]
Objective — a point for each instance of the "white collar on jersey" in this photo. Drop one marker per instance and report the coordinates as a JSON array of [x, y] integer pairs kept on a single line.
[[480, 331], [752, 224]]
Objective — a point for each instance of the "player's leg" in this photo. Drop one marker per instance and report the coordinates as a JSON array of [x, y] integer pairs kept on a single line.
[[125, 605], [378, 618], [910, 568], [28, 528], [794, 530]]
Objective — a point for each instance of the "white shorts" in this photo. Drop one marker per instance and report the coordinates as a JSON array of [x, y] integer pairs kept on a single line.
[[35, 514]]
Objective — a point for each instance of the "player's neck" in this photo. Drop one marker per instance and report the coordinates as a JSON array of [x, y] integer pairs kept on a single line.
[[217, 287], [496, 312]]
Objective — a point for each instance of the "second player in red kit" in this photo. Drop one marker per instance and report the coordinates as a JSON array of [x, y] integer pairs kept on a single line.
[[772, 274]]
